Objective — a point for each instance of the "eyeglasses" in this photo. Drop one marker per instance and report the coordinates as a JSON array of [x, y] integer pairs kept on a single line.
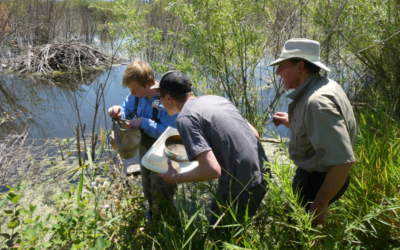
[[158, 97]]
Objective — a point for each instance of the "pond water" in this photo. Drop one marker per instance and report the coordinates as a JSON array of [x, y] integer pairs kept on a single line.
[[49, 106], [46, 108]]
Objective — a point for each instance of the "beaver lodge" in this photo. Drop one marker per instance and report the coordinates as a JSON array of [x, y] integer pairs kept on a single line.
[[62, 56]]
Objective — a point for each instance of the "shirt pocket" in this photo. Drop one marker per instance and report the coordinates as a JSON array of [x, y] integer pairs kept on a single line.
[[302, 141]]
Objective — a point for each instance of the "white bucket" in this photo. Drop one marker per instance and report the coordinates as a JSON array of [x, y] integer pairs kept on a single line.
[[156, 160]]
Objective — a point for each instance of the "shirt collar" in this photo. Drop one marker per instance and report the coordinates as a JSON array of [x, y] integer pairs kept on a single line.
[[306, 85], [151, 99]]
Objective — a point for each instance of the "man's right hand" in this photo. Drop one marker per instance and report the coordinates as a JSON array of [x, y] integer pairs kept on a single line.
[[114, 112], [281, 118]]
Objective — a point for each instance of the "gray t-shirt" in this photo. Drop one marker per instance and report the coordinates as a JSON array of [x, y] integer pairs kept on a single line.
[[214, 123]]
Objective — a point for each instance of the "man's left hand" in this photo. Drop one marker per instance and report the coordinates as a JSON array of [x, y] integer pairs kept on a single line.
[[135, 123], [171, 176], [320, 211]]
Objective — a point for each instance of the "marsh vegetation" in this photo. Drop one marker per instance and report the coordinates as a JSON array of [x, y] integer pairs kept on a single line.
[[224, 47]]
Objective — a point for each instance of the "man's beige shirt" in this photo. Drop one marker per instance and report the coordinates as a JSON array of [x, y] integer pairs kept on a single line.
[[322, 123]]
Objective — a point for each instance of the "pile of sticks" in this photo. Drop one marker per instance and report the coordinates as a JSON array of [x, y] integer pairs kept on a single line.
[[62, 56]]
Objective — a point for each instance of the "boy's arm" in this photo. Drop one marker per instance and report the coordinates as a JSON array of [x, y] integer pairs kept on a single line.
[[154, 129], [255, 133], [208, 169], [128, 107]]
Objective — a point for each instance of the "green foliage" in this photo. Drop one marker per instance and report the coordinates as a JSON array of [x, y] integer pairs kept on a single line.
[[73, 228], [377, 167], [128, 24], [360, 41], [80, 223], [97, 214], [366, 217], [221, 45], [185, 228], [227, 42]]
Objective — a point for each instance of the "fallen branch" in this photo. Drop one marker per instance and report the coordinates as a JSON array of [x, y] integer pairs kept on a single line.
[[269, 140]]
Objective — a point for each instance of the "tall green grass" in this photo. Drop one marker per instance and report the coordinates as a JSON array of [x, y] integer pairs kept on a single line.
[[366, 217]]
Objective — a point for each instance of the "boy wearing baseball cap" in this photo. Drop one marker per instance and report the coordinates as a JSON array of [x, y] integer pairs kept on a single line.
[[221, 140]]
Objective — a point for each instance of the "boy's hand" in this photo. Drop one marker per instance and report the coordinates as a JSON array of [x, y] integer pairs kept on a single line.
[[171, 176], [114, 112], [135, 123]]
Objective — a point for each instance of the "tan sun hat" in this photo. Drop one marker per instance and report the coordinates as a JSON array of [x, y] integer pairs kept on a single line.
[[301, 48]]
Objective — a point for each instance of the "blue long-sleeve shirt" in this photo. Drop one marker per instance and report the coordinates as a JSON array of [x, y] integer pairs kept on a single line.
[[145, 110]]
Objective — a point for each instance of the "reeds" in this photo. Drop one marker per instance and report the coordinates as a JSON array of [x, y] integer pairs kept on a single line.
[[366, 217]]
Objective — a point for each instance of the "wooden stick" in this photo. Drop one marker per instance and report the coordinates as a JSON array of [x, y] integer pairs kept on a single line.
[[269, 140]]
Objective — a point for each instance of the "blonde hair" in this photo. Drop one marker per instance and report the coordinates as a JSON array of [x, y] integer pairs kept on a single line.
[[138, 71]]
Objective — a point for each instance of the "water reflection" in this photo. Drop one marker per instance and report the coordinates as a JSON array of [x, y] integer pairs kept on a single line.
[[17, 102], [44, 105]]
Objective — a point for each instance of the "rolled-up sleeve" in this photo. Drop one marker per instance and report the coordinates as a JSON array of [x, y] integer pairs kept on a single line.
[[128, 106], [329, 136]]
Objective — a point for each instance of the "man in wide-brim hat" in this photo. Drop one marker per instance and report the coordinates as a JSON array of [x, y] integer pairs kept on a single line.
[[322, 124]]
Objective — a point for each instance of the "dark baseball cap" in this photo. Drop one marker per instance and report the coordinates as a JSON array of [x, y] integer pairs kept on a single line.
[[174, 81]]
